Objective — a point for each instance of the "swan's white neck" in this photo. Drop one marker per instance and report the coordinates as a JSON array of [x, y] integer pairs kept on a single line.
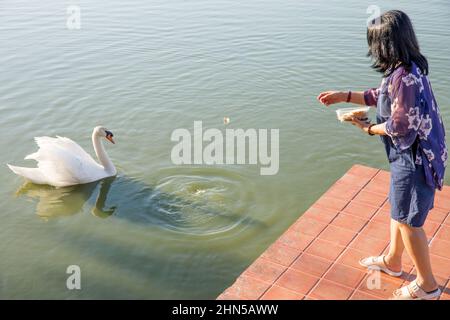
[[102, 156]]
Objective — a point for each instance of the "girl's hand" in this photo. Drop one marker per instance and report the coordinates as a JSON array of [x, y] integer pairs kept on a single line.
[[364, 126], [331, 97]]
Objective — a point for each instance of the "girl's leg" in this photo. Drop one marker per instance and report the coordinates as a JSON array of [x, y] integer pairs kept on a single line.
[[396, 247], [416, 244]]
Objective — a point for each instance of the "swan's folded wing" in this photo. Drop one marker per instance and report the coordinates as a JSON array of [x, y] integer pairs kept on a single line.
[[70, 145], [62, 160], [62, 143]]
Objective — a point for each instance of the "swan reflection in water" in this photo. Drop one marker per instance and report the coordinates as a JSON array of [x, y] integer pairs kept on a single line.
[[188, 210], [57, 202]]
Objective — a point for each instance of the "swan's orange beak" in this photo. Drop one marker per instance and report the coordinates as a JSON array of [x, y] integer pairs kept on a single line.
[[110, 138]]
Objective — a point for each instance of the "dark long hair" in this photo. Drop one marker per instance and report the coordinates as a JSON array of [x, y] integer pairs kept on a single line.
[[392, 41]]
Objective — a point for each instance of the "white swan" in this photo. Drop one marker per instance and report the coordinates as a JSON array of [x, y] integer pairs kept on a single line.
[[62, 162]]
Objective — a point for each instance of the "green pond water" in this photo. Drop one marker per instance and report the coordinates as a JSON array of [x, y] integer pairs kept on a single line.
[[145, 68]]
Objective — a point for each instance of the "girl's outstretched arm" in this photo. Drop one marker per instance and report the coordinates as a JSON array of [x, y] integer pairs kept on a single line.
[[331, 97]]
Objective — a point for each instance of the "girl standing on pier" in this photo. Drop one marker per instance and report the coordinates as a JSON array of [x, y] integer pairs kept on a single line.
[[411, 129]]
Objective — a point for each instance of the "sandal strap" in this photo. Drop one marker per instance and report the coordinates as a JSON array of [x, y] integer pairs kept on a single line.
[[383, 259], [407, 292], [413, 289], [378, 259]]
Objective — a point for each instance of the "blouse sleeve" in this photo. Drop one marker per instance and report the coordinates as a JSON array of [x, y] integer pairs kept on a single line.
[[406, 117], [371, 97]]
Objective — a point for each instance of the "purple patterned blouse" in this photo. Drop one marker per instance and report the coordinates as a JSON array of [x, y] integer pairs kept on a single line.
[[414, 112]]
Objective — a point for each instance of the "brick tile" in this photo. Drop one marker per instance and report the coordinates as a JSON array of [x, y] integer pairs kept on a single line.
[[349, 222], [363, 171], [328, 290], [445, 191], [370, 198], [227, 295], [325, 249], [247, 288], [378, 286], [311, 264], [406, 260], [377, 186], [447, 220], [352, 180], [445, 294], [360, 210], [440, 266], [344, 275], [337, 235], [386, 207], [343, 191], [382, 217], [295, 239], [308, 226], [376, 230], [281, 254], [265, 270], [440, 247], [297, 281], [382, 176], [442, 202], [359, 295], [430, 228], [280, 293], [437, 215], [330, 203], [371, 246], [351, 258], [320, 214], [444, 233]]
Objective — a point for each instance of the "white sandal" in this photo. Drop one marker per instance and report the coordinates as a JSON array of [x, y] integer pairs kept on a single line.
[[414, 292], [378, 263]]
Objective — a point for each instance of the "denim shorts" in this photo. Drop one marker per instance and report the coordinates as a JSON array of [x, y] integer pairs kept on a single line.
[[411, 198]]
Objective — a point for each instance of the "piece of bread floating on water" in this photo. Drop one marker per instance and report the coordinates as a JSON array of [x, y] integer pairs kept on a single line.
[[347, 114]]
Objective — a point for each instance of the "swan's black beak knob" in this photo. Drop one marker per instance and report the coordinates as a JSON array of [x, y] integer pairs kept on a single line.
[[109, 136]]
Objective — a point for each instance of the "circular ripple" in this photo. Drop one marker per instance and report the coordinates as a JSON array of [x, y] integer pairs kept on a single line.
[[201, 201]]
